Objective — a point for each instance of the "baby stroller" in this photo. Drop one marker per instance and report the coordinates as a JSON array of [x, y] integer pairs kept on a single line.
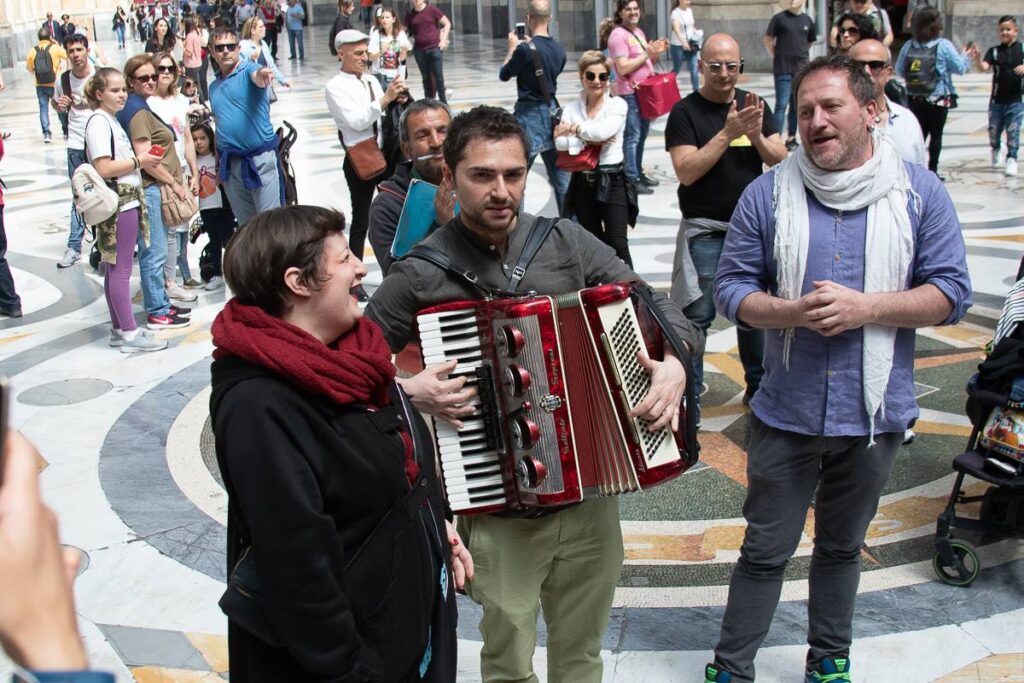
[[995, 450]]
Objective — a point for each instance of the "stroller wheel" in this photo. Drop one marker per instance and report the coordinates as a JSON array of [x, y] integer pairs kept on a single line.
[[964, 568]]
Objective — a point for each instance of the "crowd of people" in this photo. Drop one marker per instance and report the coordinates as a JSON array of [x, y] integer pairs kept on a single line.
[[344, 467]]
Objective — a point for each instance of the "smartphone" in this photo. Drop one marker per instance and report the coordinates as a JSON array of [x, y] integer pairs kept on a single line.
[[5, 394], [521, 30], [970, 44], [157, 151]]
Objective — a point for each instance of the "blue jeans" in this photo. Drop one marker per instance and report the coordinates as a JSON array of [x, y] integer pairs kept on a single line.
[[247, 203], [119, 31], [634, 137], [705, 252], [153, 256], [76, 157], [679, 55], [535, 118], [431, 65], [1005, 117], [295, 37], [44, 93], [784, 99]]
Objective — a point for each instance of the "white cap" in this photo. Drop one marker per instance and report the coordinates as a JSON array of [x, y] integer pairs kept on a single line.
[[350, 35]]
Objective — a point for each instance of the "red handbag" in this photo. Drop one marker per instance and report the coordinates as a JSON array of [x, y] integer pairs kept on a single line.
[[584, 161], [656, 94]]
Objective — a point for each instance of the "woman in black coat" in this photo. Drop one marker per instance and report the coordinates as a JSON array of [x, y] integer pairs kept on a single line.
[[342, 565]]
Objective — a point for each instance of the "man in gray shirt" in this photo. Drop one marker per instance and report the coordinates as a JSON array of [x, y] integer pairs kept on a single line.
[[568, 560]]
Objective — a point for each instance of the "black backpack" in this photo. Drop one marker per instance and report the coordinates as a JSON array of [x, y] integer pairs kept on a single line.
[[922, 76], [43, 66]]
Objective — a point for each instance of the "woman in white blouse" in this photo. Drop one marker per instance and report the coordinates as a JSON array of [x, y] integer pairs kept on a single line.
[[604, 203], [255, 48], [684, 41]]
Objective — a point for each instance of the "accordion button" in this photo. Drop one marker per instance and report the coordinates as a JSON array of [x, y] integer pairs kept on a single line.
[[511, 341], [533, 471], [517, 380], [525, 432]]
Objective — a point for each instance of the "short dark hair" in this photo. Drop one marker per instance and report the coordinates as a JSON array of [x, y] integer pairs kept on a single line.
[[220, 32], [489, 123], [927, 24], [259, 253], [416, 107], [76, 39], [860, 83], [1008, 18], [865, 28], [43, 34]]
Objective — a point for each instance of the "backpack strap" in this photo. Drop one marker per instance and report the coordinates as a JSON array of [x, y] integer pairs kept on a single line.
[[65, 83], [441, 260], [539, 232]]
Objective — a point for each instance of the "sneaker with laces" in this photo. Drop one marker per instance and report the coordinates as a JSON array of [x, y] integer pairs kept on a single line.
[[166, 322], [830, 670], [1011, 167], [180, 311], [192, 283], [70, 258], [712, 674], [995, 158], [179, 293], [143, 341], [116, 337], [216, 282]]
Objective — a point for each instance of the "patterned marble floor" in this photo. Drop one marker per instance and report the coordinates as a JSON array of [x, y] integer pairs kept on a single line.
[[130, 468]]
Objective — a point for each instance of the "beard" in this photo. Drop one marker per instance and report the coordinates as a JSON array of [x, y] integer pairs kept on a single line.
[[850, 147]]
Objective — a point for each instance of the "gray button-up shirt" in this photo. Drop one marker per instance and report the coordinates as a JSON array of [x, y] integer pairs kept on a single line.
[[570, 259]]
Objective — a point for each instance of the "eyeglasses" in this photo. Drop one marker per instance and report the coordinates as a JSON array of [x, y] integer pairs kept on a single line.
[[874, 64], [852, 30], [225, 47], [145, 78], [590, 76], [166, 69], [731, 67]]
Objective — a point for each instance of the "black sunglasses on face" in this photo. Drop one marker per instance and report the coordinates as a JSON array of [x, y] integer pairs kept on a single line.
[[145, 78], [225, 47], [166, 69], [590, 76], [850, 29], [874, 64]]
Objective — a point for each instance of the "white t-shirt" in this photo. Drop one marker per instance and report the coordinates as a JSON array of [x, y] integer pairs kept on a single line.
[[209, 187], [174, 112], [79, 112], [685, 19], [98, 130], [390, 57]]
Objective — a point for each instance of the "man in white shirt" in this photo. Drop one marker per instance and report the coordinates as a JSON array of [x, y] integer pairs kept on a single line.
[[69, 98], [357, 103], [896, 119]]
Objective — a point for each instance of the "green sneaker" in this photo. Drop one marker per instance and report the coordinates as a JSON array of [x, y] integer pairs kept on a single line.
[[830, 669], [712, 674]]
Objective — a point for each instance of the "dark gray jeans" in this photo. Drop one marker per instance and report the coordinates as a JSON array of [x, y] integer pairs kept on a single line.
[[783, 469]]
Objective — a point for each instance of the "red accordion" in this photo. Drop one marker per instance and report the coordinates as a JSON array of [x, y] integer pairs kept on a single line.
[[557, 377]]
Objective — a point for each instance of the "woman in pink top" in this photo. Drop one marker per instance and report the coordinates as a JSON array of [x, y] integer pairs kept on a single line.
[[633, 57], [193, 55]]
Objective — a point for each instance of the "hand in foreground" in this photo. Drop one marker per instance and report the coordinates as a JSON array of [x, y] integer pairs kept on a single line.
[[462, 561], [38, 628], [263, 78], [832, 309], [442, 398], [444, 201], [739, 121], [661, 404], [754, 106]]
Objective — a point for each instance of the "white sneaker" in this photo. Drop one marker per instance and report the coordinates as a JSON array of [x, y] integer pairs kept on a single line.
[[1011, 167], [179, 293], [995, 158], [143, 341], [70, 258], [216, 282], [116, 337]]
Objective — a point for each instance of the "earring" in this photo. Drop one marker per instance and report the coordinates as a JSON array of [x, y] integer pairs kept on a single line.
[[878, 118]]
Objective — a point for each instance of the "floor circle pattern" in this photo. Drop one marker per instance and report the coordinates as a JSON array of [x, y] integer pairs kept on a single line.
[[65, 392]]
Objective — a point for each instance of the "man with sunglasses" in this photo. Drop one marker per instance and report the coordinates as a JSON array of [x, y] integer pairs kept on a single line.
[[894, 118], [719, 138], [246, 141]]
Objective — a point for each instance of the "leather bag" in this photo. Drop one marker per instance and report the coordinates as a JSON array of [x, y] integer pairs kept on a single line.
[[177, 211], [366, 158], [656, 94]]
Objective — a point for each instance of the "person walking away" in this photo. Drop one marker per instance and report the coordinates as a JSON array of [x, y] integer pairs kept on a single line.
[[788, 40], [926, 63], [294, 17], [119, 25], [218, 220], [536, 103], [429, 27], [684, 41], [44, 62], [719, 139], [1005, 109], [838, 391], [599, 198]]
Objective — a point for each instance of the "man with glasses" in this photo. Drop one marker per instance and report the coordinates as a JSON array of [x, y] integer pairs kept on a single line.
[[788, 40], [876, 15], [894, 118], [718, 138], [246, 141]]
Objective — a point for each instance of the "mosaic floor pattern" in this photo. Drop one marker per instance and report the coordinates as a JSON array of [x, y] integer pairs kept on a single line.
[[131, 473]]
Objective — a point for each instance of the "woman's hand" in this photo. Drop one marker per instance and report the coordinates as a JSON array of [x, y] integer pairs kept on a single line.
[[179, 190], [148, 162], [462, 561], [564, 130], [193, 184]]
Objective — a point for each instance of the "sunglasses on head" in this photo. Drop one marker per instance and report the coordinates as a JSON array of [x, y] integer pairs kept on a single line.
[[166, 69], [145, 78], [850, 29], [590, 76], [225, 47], [874, 64]]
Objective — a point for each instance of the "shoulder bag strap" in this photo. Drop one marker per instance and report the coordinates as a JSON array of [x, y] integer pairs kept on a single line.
[[538, 233], [538, 71], [441, 260]]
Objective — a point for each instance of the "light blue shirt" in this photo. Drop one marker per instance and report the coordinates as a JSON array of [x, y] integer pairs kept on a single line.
[[822, 391], [247, 47], [294, 17], [242, 109], [947, 62]]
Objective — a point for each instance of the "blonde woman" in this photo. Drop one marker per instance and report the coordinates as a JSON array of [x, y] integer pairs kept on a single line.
[[254, 48]]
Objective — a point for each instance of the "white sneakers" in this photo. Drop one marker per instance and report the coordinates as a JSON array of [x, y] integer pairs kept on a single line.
[[216, 282], [1011, 167], [138, 340], [70, 258], [179, 293]]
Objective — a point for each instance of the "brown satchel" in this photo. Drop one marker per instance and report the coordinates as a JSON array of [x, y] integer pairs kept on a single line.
[[177, 211], [366, 158]]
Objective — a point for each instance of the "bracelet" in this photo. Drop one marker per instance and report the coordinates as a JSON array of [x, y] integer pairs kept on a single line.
[[136, 164]]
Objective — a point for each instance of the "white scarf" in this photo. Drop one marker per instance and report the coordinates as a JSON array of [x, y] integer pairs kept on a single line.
[[883, 186]]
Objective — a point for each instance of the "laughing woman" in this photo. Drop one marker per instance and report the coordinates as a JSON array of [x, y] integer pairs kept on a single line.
[[342, 565]]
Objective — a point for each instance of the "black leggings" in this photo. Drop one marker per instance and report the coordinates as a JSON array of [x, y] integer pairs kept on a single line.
[[361, 192], [219, 225], [932, 118], [608, 221]]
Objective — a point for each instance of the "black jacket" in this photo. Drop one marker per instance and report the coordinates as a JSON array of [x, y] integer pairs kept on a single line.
[[341, 23], [308, 482], [385, 211]]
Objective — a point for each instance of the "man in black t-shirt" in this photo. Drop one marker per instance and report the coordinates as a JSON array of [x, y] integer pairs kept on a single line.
[[1005, 108], [788, 40], [718, 147]]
